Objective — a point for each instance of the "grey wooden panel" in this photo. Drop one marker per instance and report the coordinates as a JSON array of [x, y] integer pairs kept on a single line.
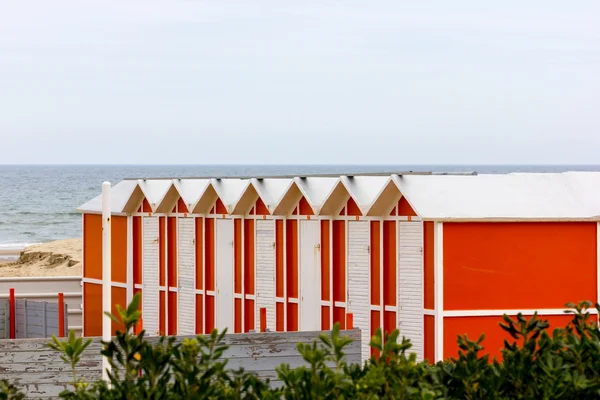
[[4, 319], [41, 373], [37, 319]]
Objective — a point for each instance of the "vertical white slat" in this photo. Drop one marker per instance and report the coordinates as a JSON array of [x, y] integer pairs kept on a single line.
[[358, 281], [285, 283], [438, 268], [165, 238], [129, 259], [331, 273], [310, 275], [150, 276], [186, 276], [410, 284], [243, 266], [224, 312], [265, 271]]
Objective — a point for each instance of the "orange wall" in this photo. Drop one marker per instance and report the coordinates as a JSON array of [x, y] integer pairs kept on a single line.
[[488, 261], [304, 207], [172, 299], [118, 245], [161, 251], [291, 241], [137, 250], [473, 327], [92, 319], [209, 253], [118, 296], [199, 253], [249, 284], [339, 270], [172, 252], [92, 246], [429, 338], [405, 209], [352, 207], [325, 273], [375, 263], [261, 209], [428, 260]]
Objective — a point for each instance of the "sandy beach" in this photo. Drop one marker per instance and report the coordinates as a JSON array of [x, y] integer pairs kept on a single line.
[[57, 258]]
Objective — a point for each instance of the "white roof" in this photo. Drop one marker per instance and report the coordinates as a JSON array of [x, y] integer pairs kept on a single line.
[[516, 196]]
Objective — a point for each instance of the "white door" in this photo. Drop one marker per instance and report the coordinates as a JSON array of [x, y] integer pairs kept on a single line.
[[359, 288], [410, 284], [265, 271], [310, 276], [224, 275], [186, 306], [150, 275]]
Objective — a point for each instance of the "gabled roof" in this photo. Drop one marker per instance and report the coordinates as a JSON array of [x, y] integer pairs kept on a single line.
[[155, 191], [271, 191], [317, 190], [192, 191], [120, 195], [230, 191], [366, 190]]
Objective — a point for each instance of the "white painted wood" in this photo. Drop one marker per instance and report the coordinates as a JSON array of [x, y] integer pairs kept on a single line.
[[410, 284], [358, 280], [438, 278], [265, 271], [499, 313], [129, 259], [186, 276], [150, 275], [598, 263], [224, 313], [310, 275]]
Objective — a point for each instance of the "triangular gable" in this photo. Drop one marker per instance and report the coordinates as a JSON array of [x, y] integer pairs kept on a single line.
[[169, 200], [272, 191], [261, 208], [407, 203], [193, 191], [405, 209], [304, 207], [247, 200], [317, 190], [289, 200], [352, 208], [120, 199], [386, 200], [230, 191], [365, 192], [155, 191]]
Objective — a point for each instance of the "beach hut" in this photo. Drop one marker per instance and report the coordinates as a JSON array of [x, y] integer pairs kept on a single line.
[[433, 255]]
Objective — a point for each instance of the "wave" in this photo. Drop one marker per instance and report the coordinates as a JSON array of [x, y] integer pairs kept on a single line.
[[15, 246]]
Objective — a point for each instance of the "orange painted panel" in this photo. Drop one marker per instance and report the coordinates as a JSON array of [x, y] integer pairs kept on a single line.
[[137, 250], [199, 314], [118, 296], [237, 316], [375, 263], [162, 245], [353, 207], [339, 316], [252, 211], [343, 212], [494, 335], [304, 207], [209, 253], [118, 244], [279, 317], [530, 259], [220, 207], [339, 261], [92, 246], [139, 326], [429, 338], [249, 256], [237, 257], [405, 209], [325, 325], [389, 263], [389, 322], [212, 210], [199, 253], [172, 251], [428, 264], [292, 259], [375, 324], [279, 283], [261, 209], [174, 210], [146, 206], [325, 268], [210, 314], [92, 319], [181, 207], [172, 313], [249, 315], [393, 212], [292, 317], [162, 308]]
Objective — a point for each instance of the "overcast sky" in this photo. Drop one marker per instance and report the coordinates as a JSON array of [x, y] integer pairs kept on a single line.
[[311, 82]]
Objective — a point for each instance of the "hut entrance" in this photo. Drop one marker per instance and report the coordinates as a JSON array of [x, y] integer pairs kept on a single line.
[[224, 275], [150, 255], [310, 276]]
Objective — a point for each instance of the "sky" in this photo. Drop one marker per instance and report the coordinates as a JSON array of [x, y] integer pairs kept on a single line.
[[308, 82]]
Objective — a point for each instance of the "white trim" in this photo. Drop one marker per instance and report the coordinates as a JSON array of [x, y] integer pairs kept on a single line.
[[254, 244], [375, 308], [165, 237], [598, 263], [129, 278], [243, 266], [199, 291], [238, 296], [119, 285], [331, 273], [346, 251], [325, 303], [499, 313], [381, 275], [284, 234], [391, 308], [293, 300], [139, 286], [341, 304], [82, 271], [210, 292], [161, 288], [279, 300], [429, 312], [438, 268], [250, 297], [92, 280], [173, 289], [204, 291]]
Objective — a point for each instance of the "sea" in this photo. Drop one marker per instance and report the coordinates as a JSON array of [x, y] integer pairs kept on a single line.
[[38, 202]]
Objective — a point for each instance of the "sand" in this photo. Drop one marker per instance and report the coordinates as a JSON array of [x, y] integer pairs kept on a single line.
[[58, 258]]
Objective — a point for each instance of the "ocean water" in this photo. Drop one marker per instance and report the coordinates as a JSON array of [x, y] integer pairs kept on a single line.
[[37, 203]]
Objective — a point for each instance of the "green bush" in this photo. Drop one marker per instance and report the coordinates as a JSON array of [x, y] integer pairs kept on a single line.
[[563, 364]]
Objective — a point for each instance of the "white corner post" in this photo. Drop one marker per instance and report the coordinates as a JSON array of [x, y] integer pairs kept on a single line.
[[106, 274], [438, 279]]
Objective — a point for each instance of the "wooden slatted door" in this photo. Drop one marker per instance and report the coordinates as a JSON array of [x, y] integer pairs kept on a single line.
[[265, 271], [358, 281], [310, 276], [186, 304], [150, 275], [224, 259], [410, 284]]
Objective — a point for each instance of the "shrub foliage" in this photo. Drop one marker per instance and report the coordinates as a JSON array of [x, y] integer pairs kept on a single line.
[[536, 364]]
